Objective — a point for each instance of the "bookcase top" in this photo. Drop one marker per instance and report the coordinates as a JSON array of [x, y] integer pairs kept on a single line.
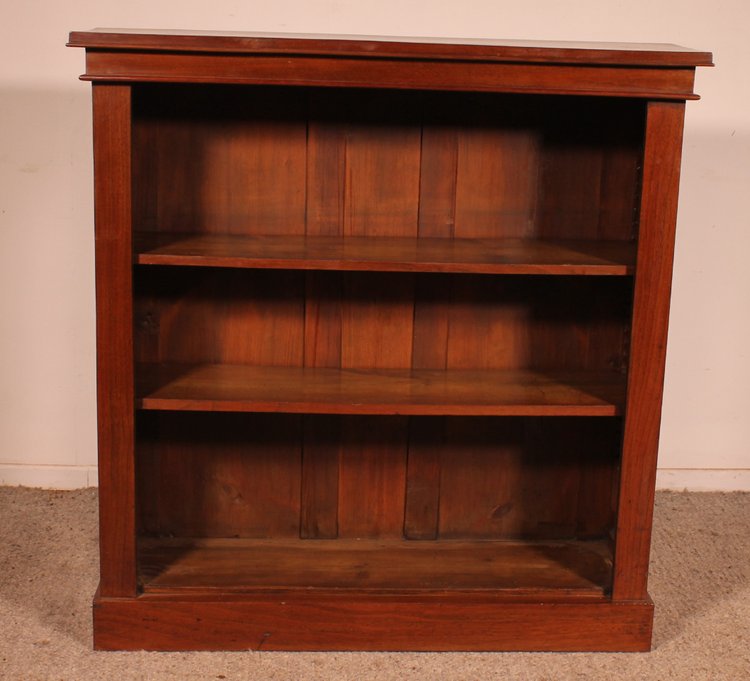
[[457, 49]]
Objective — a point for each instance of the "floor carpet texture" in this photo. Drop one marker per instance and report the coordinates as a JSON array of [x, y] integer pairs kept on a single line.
[[700, 582]]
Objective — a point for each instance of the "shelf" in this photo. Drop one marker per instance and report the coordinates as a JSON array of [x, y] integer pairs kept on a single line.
[[395, 254], [521, 567], [225, 387]]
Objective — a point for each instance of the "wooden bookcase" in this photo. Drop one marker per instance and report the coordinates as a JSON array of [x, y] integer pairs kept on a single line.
[[381, 329]]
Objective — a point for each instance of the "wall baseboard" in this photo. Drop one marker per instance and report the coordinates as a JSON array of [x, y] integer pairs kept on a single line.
[[704, 479], [76, 477], [48, 477]]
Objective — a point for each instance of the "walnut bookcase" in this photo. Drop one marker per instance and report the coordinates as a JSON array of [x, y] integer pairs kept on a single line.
[[381, 330]]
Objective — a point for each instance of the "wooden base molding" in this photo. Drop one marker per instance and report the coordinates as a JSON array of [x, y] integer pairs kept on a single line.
[[418, 623]]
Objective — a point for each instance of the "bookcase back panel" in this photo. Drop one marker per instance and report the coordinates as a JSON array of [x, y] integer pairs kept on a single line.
[[219, 475], [505, 477], [246, 475], [207, 162], [219, 316], [272, 160], [365, 320]]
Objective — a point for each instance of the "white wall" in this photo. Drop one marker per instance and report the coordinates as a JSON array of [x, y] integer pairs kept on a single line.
[[47, 394]]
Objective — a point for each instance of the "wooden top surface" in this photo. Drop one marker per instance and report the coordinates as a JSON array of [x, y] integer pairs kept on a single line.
[[464, 49]]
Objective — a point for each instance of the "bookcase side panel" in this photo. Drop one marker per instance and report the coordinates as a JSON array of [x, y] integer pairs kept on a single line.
[[115, 391], [653, 281]]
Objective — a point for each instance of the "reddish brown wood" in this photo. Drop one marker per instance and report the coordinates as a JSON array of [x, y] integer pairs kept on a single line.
[[521, 568], [437, 212], [497, 170], [515, 322], [222, 475], [522, 475], [220, 161], [221, 315], [433, 48], [388, 254], [117, 524], [236, 387], [372, 477], [373, 458], [609, 81], [423, 478], [323, 318], [381, 196], [597, 450], [588, 175], [320, 478], [395, 249], [287, 621], [544, 138], [653, 283]]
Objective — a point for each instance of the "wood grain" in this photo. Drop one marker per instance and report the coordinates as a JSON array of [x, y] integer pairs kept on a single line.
[[228, 387], [589, 170], [404, 264], [354, 72], [423, 472], [536, 322], [114, 336], [372, 477], [381, 198], [516, 478], [288, 621], [221, 475], [222, 160], [242, 565], [394, 254], [322, 443], [653, 283], [497, 168], [320, 478], [373, 46], [220, 315]]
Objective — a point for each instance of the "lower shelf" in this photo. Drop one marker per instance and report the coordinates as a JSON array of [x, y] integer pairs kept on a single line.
[[542, 569], [348, 594]]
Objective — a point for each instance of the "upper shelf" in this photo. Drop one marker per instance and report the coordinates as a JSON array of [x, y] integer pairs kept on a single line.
[[388, 254]]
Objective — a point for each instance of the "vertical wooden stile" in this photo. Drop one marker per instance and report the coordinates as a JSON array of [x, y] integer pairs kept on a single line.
[[653, 281], [114, 335]]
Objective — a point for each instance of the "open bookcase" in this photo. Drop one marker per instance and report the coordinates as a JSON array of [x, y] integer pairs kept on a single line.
[[381, 331]]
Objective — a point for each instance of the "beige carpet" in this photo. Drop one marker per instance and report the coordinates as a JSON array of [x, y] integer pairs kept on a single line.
[[700, 582]]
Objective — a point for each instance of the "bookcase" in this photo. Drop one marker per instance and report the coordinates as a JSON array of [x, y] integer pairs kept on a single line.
[[381, 328]]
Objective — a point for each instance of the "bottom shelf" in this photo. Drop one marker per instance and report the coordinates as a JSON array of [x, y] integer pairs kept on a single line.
[[548, 568]]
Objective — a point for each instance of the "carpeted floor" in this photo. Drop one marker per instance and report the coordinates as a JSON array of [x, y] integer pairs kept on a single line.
[[700, 583]]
